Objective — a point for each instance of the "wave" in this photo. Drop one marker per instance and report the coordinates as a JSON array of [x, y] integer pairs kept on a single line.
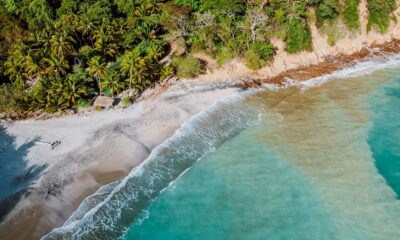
[[359, 69], [91, 202], [108, 214]]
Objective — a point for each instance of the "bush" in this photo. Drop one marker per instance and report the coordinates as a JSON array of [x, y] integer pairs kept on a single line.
[[83, 103], [166, 71], [333, 33], [298, 36], [126, 101], [327, 10], [225, 54], [187, 67], [258, 55], [379, 14], [351, 15], [12, 102]]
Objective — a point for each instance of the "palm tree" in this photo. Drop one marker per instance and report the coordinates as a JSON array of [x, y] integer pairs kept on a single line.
[[154, 52], [61, 43], [113, 83], [32, 68], [74, 91], [104, 40], [55, 64], [44, 38], [16, 65], [56, 99], [134, 66], [86, 26], [97, 69]]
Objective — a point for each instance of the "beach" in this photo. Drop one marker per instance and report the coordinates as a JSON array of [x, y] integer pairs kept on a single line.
[[96, 148], [99, 147]]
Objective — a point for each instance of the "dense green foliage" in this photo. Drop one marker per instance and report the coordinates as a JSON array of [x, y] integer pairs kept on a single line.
[[380, 12], [298, 36], [188, 67], [327, 10], [351, 14], [258, 55], [59, 55]]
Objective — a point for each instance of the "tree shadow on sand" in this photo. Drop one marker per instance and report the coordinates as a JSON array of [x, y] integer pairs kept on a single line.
[[16, 176]]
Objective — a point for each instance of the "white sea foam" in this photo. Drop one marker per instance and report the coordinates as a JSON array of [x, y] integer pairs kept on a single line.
[[167, 162], [83, 222], [91, 202]]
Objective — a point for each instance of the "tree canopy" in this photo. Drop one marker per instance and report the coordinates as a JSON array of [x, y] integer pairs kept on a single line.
[[57, 53]]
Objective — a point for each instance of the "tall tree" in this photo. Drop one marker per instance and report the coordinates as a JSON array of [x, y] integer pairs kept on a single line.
[[134, 66], [113, 83], [55, 65], [98, 69], [62, 44]]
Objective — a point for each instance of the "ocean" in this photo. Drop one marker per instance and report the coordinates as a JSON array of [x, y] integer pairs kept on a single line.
[[314, 160]]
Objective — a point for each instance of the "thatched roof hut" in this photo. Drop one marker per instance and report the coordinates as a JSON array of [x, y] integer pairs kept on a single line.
[[103, 101]]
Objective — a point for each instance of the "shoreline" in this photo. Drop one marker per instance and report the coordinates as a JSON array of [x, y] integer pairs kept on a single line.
[[96, 149], [336, 63], [100, 147], [251, 79], [93, 154]]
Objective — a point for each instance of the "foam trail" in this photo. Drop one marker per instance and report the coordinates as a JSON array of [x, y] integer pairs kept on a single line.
[[91, 202], [203, 133]]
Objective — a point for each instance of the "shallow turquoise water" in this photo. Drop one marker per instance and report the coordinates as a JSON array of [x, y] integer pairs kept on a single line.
[[231, 194], [320, 163], [384, 137], [305, 171]]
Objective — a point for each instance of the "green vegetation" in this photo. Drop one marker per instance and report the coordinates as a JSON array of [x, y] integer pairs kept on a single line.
[[188, 67], [351, 14], [83, 103], [59, 55], [380, 13], [333, 33], [298, 36], [126, 100], [327, 10], [258, 55]]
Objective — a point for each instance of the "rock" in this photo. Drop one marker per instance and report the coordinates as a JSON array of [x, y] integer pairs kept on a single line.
[[251, 84], [103, 101]]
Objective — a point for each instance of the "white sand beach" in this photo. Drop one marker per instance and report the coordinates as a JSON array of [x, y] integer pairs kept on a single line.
[[100, 147], [96, 148]]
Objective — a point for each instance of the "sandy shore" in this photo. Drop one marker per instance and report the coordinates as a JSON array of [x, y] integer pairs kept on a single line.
[[100, 147], [96, 148]]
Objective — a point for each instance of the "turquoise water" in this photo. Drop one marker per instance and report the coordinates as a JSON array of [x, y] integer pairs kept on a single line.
[[241, 191], [317, 163], [384, 138]]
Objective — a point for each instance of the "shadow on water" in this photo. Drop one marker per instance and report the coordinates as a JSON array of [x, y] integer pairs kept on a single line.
[[16, 176]]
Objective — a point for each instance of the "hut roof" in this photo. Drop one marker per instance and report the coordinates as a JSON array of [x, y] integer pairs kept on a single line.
[[103, 101]]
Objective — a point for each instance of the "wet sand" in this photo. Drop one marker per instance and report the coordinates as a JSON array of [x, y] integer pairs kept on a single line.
[[97, 148]]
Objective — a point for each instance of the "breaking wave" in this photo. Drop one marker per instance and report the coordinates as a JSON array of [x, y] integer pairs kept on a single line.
[[109, 212]]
